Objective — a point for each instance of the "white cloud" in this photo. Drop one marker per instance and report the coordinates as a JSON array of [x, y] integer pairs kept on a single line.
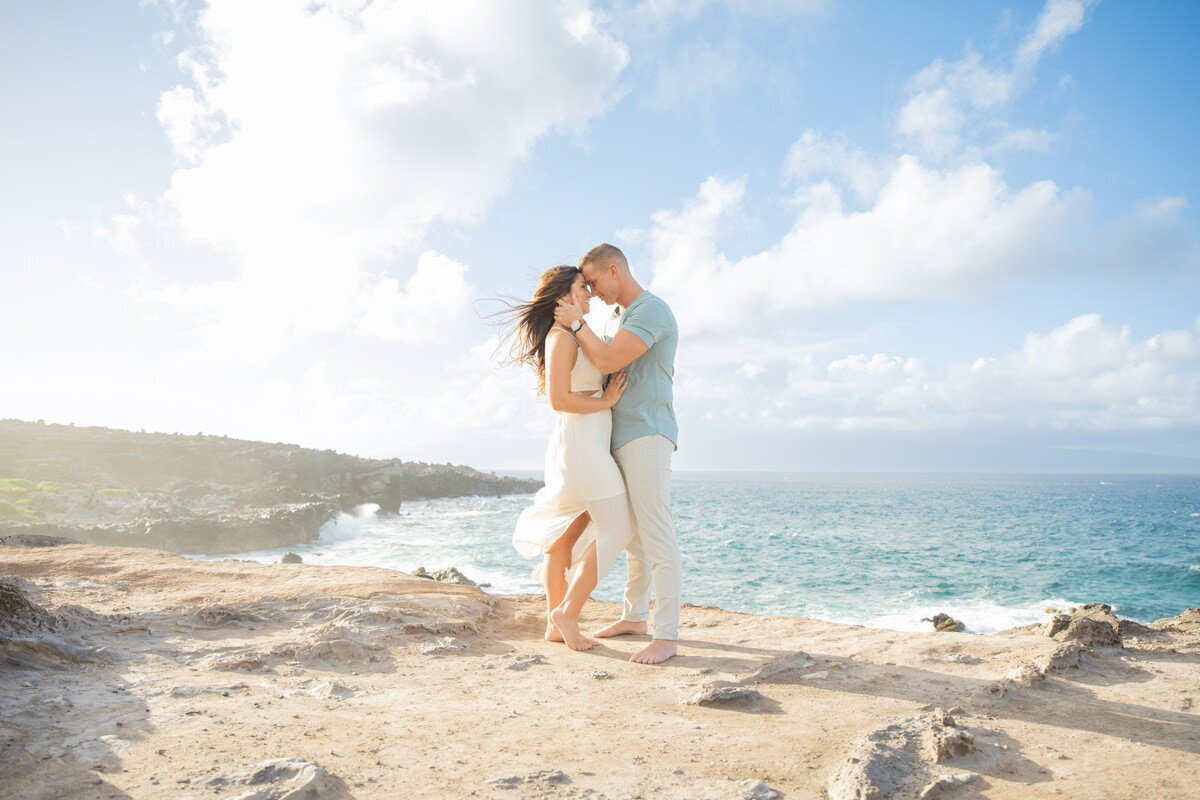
[[1058, 20], [1083, 375], [1153, 238], [435, 296], [952, 104], [119, 233], [695, 52], [941, 224], [816, 156], [665, 12], [927, 234], [320, 138], [698, 72]]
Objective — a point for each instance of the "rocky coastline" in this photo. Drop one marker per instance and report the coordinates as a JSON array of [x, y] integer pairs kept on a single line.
[[142, 674], [200, 493]]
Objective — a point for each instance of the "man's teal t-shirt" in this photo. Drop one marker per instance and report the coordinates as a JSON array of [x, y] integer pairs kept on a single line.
[[646, 406]]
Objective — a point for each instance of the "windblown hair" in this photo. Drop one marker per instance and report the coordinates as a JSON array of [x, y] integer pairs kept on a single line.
[[603, 254], [531, 321]]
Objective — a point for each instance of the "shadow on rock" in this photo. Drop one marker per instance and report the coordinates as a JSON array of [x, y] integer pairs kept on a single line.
[[77, 716]]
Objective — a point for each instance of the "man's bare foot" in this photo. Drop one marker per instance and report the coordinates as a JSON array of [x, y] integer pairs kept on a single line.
[[552, 634], [620, 628], [656, 652], [569, 628]]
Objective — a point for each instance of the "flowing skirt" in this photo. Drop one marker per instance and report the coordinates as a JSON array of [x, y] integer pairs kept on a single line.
[[580, 476]]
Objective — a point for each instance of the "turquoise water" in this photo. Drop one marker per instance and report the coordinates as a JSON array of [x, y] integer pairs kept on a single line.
[[879, 550]]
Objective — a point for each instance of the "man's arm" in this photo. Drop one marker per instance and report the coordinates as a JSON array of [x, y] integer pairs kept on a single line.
[[607, 356]]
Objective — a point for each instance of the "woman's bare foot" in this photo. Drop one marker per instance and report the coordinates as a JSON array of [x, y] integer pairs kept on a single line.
[[656, 652], [620, 628], [552, 634], [569, 628]]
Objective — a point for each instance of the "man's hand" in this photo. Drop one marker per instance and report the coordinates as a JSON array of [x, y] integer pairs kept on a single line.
[[568, 311]]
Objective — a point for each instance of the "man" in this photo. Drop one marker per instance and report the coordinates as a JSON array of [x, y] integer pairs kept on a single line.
[[644, 435]]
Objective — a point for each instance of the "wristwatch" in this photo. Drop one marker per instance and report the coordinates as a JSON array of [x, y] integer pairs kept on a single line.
[[576, 325]]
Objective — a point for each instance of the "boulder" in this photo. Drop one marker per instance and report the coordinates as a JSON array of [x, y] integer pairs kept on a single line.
[[1188, 621], [18, 614], [277, 779], [723, 693], [756, 790], [945, 622], [1092, 625], [447, 575], [898, 760]]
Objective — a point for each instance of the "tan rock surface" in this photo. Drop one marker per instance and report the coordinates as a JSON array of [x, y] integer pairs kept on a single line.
[[235, 679]]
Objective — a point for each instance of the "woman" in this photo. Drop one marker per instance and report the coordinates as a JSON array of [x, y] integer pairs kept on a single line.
[[580, 522]]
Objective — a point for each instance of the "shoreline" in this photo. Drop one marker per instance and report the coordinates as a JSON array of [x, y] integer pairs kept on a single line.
[[1045, 608], [143, 674]]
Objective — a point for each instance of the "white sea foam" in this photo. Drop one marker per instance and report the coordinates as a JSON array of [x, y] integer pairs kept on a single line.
[[347, 526], [812, 555], [979, 616]]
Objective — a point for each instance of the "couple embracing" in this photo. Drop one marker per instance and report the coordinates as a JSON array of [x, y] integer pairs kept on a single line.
[[608, 463]]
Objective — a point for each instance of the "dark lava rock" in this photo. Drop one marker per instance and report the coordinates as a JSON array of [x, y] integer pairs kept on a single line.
[[945, 622], [203, 494]]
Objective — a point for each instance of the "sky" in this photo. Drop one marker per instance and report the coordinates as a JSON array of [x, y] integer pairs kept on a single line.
[[933, 236]]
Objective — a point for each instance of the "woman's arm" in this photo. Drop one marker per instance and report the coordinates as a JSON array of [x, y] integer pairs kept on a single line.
[[560, 359], [608, 357]]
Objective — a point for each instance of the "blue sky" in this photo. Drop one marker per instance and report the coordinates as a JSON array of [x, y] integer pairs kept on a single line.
[[897, 236]]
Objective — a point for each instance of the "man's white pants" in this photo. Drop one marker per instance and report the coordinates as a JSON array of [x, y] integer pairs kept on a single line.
[[653, 555]]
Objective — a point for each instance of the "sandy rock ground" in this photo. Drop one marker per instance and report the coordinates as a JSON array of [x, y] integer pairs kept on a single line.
[[154, 676]]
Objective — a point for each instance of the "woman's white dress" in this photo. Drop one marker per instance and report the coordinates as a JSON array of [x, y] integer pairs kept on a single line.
[[580, 476]]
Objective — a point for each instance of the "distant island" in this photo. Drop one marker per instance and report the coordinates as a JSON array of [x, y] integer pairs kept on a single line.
[[201, 493]]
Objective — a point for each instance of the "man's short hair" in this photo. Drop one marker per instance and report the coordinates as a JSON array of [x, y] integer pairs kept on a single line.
[[603, 254]]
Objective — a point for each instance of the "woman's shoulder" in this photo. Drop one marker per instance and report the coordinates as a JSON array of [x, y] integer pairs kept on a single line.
[[564, 336]]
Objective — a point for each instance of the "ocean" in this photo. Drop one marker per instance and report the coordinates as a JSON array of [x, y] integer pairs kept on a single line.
[[882, 550]]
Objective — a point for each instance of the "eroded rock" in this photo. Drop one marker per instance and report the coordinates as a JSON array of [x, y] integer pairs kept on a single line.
[[780, 667], [1188, 622], [723, 693], [447, 575], [1065, 656], [31, 636], [444, 644], [898, 760], [960, 658], [550, 777], [18, 614], [756, 790], [1092, 625], [946, 783], [277, 779]]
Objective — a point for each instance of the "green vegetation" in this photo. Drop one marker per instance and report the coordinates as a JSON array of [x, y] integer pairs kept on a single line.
[[14, 514], [20, 498], [15, 486], [113, 491]]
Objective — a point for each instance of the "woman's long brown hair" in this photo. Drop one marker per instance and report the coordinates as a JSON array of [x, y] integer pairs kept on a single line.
[[533, 320]]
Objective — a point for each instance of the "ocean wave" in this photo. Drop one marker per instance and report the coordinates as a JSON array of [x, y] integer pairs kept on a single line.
[[979, 616], [347, 526]]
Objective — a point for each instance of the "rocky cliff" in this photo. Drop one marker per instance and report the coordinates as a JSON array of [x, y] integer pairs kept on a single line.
[[201, 494]]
